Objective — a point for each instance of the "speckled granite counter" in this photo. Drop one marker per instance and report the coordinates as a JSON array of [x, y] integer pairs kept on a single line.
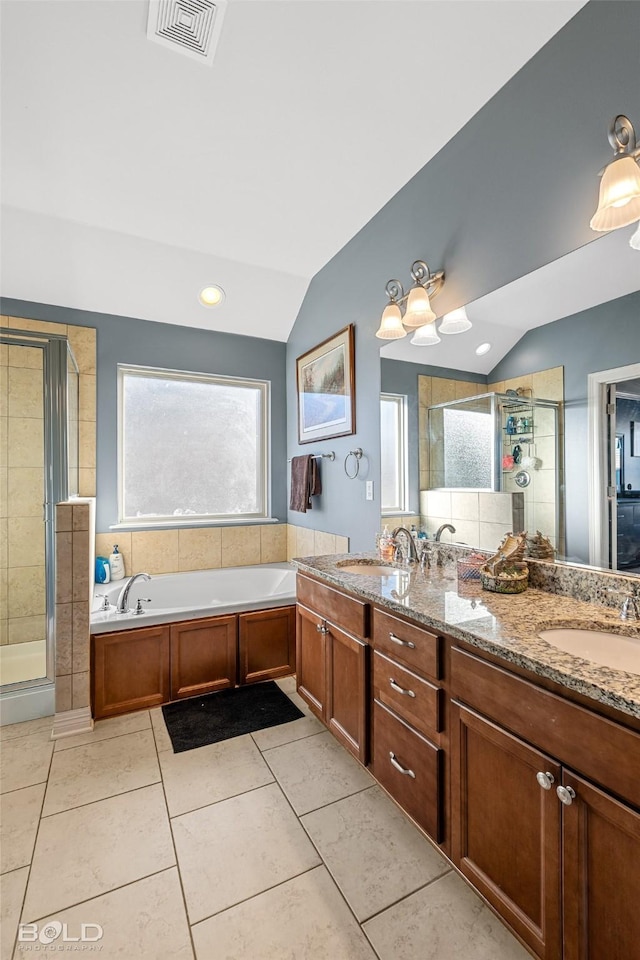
[[506, 626]]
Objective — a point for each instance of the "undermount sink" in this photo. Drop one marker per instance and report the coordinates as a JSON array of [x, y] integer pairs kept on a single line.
[[369, 569], [607, 649]]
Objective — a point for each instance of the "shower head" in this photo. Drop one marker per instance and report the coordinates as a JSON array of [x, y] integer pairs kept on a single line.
[[513, 393]]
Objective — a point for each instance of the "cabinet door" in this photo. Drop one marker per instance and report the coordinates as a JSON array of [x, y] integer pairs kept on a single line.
[[506, 828], [311, 644], [203, 656], [601, 855], [266, 644], [130, 670], [347, 697]]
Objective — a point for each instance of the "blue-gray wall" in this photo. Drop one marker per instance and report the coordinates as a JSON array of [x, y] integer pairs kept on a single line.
[[512, 191], [602, 338], [130, 340]]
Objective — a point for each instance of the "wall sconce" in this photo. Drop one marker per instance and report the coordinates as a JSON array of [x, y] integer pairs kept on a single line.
[[416, 303], [619, 201]]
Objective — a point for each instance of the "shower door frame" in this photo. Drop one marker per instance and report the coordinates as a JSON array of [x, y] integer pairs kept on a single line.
[[56, 350]]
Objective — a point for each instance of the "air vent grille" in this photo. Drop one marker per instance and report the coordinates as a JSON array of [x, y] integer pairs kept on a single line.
[[191, 27]]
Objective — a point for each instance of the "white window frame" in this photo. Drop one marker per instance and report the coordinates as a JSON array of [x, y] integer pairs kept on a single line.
[[191, 520], [402, 454]]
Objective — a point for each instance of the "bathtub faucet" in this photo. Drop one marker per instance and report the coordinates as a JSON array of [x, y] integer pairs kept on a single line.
[[122, 605]]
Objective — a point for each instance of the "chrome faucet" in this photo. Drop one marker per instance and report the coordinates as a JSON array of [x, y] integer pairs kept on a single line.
[[445, 526], [122, 605], [629, 609], [413, 553]]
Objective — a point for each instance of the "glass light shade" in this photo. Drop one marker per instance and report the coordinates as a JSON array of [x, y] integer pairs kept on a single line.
[[455, 322], [619, 202], [425, 336], [419, 309], [635, 239], [391, 323]]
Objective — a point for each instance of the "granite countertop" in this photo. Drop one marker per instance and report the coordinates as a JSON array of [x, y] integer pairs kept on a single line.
[[506, 626]]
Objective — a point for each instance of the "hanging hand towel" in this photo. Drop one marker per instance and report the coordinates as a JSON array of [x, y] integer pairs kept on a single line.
[[305, 483]]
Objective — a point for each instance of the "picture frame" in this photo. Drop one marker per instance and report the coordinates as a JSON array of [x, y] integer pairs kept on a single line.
[[326, 389]]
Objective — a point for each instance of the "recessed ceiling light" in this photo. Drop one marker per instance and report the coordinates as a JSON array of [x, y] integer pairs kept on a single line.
[[483, 348], [211, 296]]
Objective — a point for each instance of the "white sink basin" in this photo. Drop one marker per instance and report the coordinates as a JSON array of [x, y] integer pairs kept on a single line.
[[608, 649]]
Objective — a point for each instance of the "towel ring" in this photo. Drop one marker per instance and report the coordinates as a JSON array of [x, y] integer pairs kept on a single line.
[[358, 457]]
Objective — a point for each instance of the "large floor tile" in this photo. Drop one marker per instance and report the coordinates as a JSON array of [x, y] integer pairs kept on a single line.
[[106, 729], [237, 848], [145, 920], [163, 740], [87, 851], [316, 771], [19, 817], [99, 770], [24, 761], [445, 919], [11, 731], [303, 919], [287, 732], [199, 777], [375, 855], [11, 894]]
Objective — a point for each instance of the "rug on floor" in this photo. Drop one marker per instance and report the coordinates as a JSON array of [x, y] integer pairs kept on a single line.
[[228, 713]]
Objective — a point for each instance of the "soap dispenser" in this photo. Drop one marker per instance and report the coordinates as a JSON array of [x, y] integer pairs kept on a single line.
[[117, 564]]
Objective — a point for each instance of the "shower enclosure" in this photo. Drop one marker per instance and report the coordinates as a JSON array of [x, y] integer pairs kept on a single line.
[[504, 442], [38, 468]]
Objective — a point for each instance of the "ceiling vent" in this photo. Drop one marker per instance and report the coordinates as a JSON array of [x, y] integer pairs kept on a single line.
[[191, 27]]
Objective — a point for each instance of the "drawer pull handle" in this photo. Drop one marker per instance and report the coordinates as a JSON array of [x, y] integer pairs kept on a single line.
[[396, 686], [545, 779], [403, 770], [400, 642], [566, 795], [322, 628]]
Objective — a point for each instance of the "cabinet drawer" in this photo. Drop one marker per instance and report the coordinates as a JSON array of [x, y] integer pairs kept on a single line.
[[413, 646], [601, 749], [409, 767], [415, 700], [350, 614]]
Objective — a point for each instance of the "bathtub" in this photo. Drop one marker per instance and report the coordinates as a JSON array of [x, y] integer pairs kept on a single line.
[[201, 593], [23, 661]]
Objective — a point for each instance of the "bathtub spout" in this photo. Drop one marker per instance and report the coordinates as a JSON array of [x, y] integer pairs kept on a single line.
[[122, 605]]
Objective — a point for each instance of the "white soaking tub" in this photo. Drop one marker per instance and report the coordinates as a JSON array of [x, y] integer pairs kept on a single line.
[[201, 593]]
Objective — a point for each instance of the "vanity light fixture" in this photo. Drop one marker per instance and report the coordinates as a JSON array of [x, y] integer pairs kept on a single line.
[[425, 336], [456, 321], [635, 239], [416, 304], [211, 295], [619, 201]]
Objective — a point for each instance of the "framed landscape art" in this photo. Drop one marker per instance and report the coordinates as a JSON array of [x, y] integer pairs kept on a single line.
[[325, 378]]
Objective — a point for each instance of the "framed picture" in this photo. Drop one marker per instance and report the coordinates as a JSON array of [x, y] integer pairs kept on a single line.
[[325, 380]]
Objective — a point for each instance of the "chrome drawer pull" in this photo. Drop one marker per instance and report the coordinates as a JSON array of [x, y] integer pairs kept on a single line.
[[401, 643], [403, 770], [566, 795], [399, 689]]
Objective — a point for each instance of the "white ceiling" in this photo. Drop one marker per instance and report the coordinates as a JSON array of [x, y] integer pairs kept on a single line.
[[602, 270], [132, 175]]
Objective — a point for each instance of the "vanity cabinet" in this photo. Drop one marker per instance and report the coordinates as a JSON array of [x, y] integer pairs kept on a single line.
[[332, 661], [553, 851], [407, 756]]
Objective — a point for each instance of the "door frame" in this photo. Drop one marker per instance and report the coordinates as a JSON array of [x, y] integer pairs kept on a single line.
[[597, 457]]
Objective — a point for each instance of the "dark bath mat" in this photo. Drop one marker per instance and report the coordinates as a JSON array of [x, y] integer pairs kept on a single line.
[[229, 713]]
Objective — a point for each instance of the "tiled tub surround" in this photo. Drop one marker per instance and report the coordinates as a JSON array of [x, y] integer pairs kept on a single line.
[[505, 626]]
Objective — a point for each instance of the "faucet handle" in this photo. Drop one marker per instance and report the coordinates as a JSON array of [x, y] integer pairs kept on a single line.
[[138, 610], [630, 609], [105, 605], [398, 552]]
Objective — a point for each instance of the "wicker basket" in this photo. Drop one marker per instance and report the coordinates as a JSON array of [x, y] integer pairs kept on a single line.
[[503, 583], [469, 567]]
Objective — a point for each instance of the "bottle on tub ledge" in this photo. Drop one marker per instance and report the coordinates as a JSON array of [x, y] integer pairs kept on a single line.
[[116, 564]]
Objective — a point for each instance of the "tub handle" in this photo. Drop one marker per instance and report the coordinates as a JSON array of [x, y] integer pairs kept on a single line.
[[138, 610]]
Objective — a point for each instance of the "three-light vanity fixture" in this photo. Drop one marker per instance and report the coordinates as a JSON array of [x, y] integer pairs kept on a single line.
[[619, 200], [412, 310]]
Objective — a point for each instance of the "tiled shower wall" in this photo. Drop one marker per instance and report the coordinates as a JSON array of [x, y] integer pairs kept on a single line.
[[73, 592]]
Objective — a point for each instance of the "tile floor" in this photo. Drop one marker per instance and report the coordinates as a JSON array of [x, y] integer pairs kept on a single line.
[[274, 846]]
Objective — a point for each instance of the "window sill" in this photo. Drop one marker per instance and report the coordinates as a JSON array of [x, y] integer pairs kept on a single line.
[[184, 524]]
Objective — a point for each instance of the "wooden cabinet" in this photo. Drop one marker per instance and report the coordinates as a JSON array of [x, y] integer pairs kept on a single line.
[[266, 644], [203, 656], [332, 662], [130, 670]]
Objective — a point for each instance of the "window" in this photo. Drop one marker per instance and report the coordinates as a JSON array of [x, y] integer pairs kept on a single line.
[[394, 452], [191, 446]]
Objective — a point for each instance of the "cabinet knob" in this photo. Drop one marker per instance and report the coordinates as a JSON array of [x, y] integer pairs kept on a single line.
[[566, 795], [396, 686], [403, 770], [401, 642], [545, 779], [322, 627]]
